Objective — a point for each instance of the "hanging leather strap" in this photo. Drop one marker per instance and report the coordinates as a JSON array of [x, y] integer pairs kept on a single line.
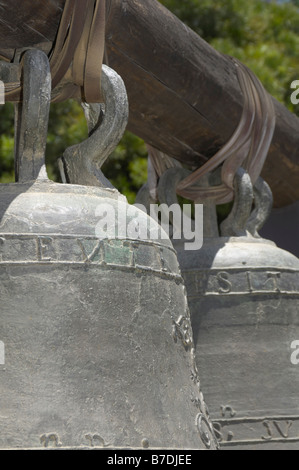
[[78, 52], [87, 64], [248, 147]]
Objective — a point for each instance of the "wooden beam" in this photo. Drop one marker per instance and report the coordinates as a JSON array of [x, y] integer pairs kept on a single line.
[[184, 95], [28, 22]]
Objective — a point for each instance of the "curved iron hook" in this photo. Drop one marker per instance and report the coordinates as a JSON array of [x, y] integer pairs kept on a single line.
[[243, 219], [235, 224], [81, 163], [263, 199]]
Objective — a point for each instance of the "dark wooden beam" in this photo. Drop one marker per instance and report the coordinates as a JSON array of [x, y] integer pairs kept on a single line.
[[184, 95], [28, 22]]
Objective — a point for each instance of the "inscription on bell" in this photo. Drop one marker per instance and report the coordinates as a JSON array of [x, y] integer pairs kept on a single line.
[[260, 430], [140, 255], [44, 247], [241, 282]]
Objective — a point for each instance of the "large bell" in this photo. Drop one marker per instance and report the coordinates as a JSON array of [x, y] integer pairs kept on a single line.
[[96, 343], [243, 296]]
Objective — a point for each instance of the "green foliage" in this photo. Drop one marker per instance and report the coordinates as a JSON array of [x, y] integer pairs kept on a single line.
[[262, 34], [67, 126], [126, 168], [6, 143]]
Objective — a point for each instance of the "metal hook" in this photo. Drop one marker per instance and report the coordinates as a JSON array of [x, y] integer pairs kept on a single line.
[[263, 199], [81, 164], [243, 219], [235, 224], [31, 119]]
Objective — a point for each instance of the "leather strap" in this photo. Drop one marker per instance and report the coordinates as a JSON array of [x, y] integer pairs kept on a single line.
[[248, 147], [78, 52], [87, 64]]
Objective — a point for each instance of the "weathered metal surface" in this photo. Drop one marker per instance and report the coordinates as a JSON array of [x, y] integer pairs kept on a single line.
[[96, 329], [243, 296], [31, 119], [81, 163], [97, 334]]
